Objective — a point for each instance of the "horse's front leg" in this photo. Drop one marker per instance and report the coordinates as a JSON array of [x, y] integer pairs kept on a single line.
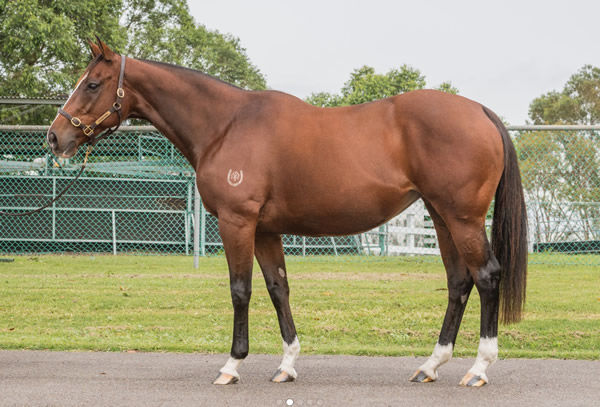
[[237, 233], [269, 253]]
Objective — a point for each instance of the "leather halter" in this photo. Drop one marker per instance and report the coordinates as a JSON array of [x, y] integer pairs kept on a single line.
[[88, 130]]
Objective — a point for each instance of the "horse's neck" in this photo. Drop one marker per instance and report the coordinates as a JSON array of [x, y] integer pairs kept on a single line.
[[191, 109]]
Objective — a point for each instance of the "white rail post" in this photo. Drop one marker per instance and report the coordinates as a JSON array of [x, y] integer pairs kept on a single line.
[[53, 208], [114, 232], [410, 238]]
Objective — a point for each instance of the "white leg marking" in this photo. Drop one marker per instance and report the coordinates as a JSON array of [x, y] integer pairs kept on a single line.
[[441, 354], [231, 366], [290, 354], [486, 355]]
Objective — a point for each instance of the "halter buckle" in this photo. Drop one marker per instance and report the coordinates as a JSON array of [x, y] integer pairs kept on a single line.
[[117, 106], [88, 131], [75, 121], [120, 92]]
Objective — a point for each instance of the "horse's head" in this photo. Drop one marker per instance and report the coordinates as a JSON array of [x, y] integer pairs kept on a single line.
[[94, 105]]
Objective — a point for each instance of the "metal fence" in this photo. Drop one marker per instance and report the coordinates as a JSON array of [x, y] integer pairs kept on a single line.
[[138, 195]]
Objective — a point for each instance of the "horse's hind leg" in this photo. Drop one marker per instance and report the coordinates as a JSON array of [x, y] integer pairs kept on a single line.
[[269, 253], [472, 243], [460, 284]]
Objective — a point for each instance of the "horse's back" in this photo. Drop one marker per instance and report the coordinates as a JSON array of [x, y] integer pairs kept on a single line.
[[403, 140], [348, 169]]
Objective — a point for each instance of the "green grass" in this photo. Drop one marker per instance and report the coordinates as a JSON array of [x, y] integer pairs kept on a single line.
[[341, 306]]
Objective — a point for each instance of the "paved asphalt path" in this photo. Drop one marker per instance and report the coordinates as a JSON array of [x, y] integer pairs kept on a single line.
[[37, 378]]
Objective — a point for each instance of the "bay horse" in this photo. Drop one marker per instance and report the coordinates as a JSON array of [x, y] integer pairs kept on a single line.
[[268, 164]]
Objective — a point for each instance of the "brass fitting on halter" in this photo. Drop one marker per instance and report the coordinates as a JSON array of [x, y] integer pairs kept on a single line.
[[88, 131]]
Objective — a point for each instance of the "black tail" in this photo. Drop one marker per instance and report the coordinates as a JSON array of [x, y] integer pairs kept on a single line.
[[509, 230]]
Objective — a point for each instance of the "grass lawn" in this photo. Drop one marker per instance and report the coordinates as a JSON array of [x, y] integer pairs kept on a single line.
[[357, 306]]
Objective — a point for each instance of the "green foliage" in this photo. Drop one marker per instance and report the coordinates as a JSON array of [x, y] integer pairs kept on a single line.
[[365, 85], [42, 48], [561, 179], [448, 88], [577, 103], [164, 30], [325, 99], [43, 45]]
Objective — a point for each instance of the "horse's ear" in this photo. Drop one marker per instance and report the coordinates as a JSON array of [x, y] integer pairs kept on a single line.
[[107, 53], [94, 48]]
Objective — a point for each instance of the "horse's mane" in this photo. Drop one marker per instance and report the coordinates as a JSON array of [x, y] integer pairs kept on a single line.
[[188, 70]]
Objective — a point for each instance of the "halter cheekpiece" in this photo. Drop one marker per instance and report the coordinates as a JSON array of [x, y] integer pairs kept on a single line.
[[88, 130]]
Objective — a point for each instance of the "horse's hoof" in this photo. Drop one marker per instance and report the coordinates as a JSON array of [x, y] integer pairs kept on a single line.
[[282, 377], [471, 380], [421, 377], [225, 378]]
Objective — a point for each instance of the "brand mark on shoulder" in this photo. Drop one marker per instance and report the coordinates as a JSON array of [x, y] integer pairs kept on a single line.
[[234, 177]]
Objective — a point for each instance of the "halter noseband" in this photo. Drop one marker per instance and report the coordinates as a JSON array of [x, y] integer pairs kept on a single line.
[[88, 130]]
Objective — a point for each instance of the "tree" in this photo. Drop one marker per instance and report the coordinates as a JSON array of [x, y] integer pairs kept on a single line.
[[366, 85], [164, 30], [561, 179], [325, 99], [560, 169], [448, 88], [41, 48], [43, 45], [577, 103]]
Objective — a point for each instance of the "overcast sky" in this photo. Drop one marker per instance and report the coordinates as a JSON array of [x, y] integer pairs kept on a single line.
[[500, 53]]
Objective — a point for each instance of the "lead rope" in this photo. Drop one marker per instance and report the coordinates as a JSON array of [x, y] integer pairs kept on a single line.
[[69, 185]]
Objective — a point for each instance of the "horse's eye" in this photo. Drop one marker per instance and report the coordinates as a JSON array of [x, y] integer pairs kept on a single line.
[[92, 86]]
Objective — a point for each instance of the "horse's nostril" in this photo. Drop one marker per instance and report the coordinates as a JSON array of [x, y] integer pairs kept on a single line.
[[52, 139]]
